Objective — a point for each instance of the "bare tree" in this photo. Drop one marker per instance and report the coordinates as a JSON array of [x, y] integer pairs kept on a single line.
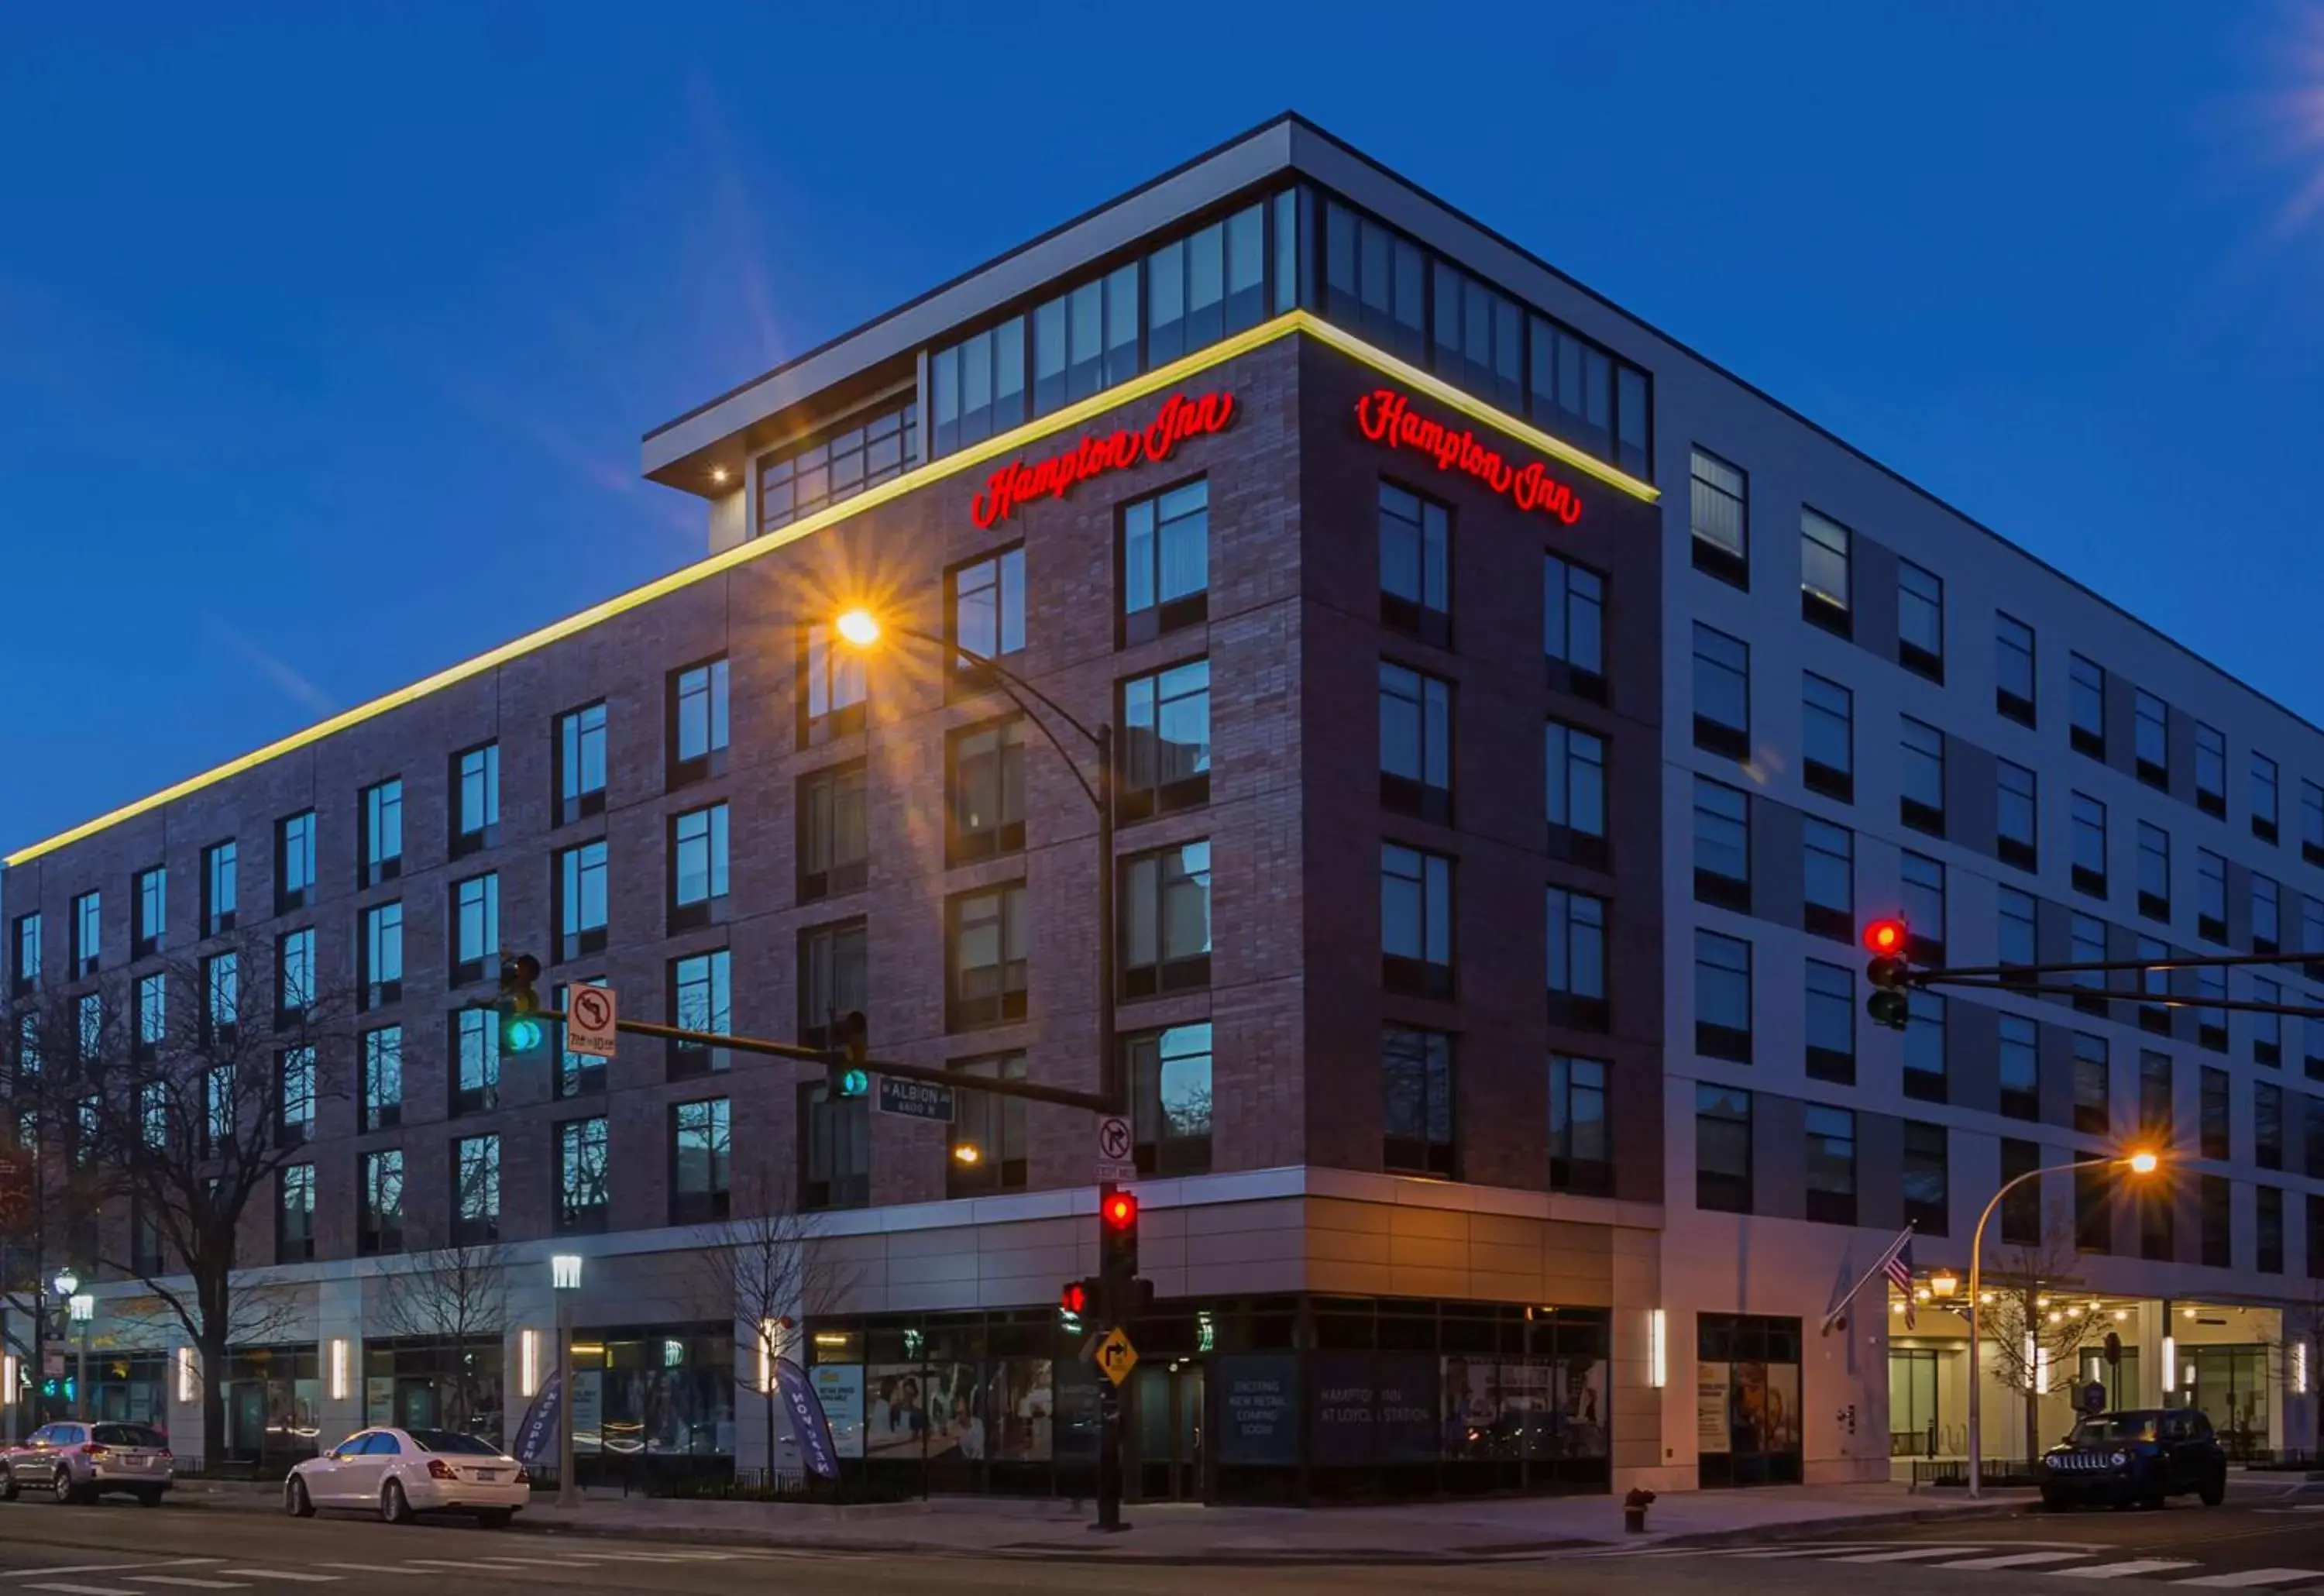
[[47, 1199], [191, 1087], [2028, 1325], [457, 1294], [770, 1267]]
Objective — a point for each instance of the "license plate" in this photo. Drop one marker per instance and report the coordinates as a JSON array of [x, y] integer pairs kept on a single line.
[[488, 1475], [135, 1462]]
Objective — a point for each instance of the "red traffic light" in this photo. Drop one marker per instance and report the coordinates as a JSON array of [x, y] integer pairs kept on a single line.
[[1075, 1297], [1118, 1211], [1885, 936]]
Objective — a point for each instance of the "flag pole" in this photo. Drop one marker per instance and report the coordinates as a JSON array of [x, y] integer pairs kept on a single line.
[[1880, 1265]]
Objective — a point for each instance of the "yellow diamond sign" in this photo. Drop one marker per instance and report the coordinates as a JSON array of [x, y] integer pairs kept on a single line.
[[1115, 1356]]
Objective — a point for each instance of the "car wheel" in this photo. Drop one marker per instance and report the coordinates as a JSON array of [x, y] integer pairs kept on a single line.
[[2214, 1490], [295, 1500], [61, 1485], [394, 1507], [493, 1517], [7, 1485], [2054, 1501], [149, 1498]]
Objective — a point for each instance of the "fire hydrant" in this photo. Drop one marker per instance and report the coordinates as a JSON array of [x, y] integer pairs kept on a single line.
[[1634, 1511]]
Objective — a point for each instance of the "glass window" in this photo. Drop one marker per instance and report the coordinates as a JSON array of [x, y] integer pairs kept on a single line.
[[295, 858], [2268, 1203], [2089, 821], [1166, 920], [1416, 563], [1580, 1152], [2215, 1109], [702, 998], [1923, 765], [1416, 920], [476, 926], [581, 762], [476, 1053], [1416, 743], [1828, 860], [1165, 559], [1577, 944], [979, 385], [699, 856], [1723, 844], [834, 978], [2267, 1127], [152, 900], [865, 451], [1375, 281], [2210, 770], [381, 1226], [1719, 517], [1824, 586], [2267, 1029], [295, 1093], [1165, 743], [2266, 915], [1577, 790], [581, 1174], [1722, 692], [1831, 1022], [2210, 895], [990, 939], [834, 842], [2017, 937], [2093, 1088], [1085, 340], [476, 1190], [1480, 340], [581, 897], [383, 1078], [1828, 736], [2155, 1109], [1927, 1178], [2263, 797], [217, 888], [1170, 1099], [383, 830], [1204, 286], [1723, 1149], [2087, 935], [993, 1126], [1417, 1088], [985, 777], [2154, 871], [2086, 705], [294, 1222], [2013, 683], [1920, 620], [833, 686], [152, 1011], [1574, 621], [2020, 1076], [1829, 1157], [2311, 822], [988, 609], [2152, 743], [294, 971], [2016, 814], [1923, 900], [383, 953], [88, 931], [476, 778], [1722, 996], [1924, 1047], [835, 1164], [698, 713]]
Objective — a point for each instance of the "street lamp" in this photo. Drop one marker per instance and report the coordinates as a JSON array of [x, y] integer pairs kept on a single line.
[[2141, 1162], [78, 1310], [565, 1279]]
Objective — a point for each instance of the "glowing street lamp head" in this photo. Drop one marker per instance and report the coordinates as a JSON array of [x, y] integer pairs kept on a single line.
[[2143, 1163], [859, 627], [967, 1152], [1885, 936]]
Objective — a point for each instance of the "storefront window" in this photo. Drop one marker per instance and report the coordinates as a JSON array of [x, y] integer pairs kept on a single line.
[[1747, 1400], [436, 1382], [654, 1392]]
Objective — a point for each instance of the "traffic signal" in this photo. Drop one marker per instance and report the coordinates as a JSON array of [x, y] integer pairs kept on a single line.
[[1887, 1005], [2113, 1349], [850, 1043], [520, 1005], [1075, 1303], [1117, 1251]]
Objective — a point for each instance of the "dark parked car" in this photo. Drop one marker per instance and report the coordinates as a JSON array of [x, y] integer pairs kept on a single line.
[[2139, 1456]]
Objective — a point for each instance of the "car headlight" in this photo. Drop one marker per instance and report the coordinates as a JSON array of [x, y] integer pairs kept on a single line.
[[2120, 1458]]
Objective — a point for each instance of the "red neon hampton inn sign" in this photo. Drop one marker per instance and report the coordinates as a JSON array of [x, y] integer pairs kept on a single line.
[[1010, 489], [1386, 417]]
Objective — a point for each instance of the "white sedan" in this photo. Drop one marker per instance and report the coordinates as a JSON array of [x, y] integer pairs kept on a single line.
[[397, 1473]]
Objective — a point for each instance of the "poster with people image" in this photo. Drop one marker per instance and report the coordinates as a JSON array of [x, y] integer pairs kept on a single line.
[[1020, 1402], [896, 1414]]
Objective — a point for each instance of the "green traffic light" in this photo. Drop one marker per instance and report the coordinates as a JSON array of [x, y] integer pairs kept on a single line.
[[520, 1034], [854, 1082]]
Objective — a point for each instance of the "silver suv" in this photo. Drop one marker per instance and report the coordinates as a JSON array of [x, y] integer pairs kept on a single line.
[[75, 1462]]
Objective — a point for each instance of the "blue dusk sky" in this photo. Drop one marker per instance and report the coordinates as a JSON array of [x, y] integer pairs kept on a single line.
[[328, 333]]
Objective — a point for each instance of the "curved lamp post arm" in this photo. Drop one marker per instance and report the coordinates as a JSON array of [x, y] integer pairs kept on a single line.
[[1017, 689]]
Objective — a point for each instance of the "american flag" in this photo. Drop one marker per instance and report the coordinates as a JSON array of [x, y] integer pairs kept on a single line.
[[1899, 1270]]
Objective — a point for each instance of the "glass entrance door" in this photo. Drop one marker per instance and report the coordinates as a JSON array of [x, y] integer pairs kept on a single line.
[[1166, 1432]]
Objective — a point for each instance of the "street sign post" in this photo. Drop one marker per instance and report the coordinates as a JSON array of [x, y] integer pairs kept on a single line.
[[1115, 1357], [1116, 1152], [590, 1012], [917, 1100]]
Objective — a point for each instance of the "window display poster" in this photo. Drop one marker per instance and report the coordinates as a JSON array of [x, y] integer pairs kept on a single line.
[[1259, 1410], [895, 1410], [589, 1411], [1711, 1385], [379, 1399], [1021, 1401], [839, 1387], [955, 1412], [1763, 1408], [1375, 1408], [1579, 1393]]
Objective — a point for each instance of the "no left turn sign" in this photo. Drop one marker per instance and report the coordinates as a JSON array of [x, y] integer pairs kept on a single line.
[[589, 1012]]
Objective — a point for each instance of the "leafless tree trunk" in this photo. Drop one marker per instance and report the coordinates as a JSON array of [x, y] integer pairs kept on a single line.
[[2036, 1321]]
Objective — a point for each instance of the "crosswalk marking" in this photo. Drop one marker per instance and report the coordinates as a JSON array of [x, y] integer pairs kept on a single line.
[[369, 1568], [284, 1573], [2020, 1560], [2123, 1570], [1758, 1554], [2244, 1579], [1910, 1555], [192, 1585], [66, 1589]]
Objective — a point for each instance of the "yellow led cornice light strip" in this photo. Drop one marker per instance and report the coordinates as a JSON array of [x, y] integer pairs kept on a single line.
[[1010, 442]]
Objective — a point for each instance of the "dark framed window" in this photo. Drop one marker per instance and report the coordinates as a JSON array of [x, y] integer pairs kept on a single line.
[[382, 1107], [581, 762], [1577, 960], [577, 1074], [1920, 621], [870, 449], [2021, 1210], [2211, 896], [2316, 1236], [1211, 283], [835, 1155], [833, 687], [2217, 1113], [834, 978], [1826, 589], [993, 1126], [1376, 283], [1831, 1023], [476, 1062], [1576, 794], [1415, 561], [1722, 1149], [2267, 1125], [2311, 937], [1722, 693], [1416, 743], [701, 998], [984, 616], [476, 799], [383, 955], [2154, 872], [694, 703], [379, 1224], [1580, 1150], [475, 927], [2012, 673], [1924, 901], [977, 386], [2085, 707], [1166, 561], [1086, 339], [984, 778], [2093, 1086], [1574, 628], [1827, 737], [2016, 815], [2017, 937], [294, 861], [2267, 1029], [475, 1191], [2152, 742], [1722, 845], [1170, 1099], [379, 855], [835, 841], [698, 872], [2020, 1068], [1165, 908], [218, 887], [1719, 514], [2311, 822], [88, 933], [1417, 1121], [2265, 784], [581, 1202], [701, 1157], [1928, 1178], [1576, 387], [1480, 338], [1416, 921], [2215, 1200], [1924, 1047], [1829, 1160], [986, 952], [2266, 915], [2156, 1120], [294, 1214], [1164, 754], [2093, 1211], [152, 1013], [2088, 936], [583, 899], [2089, 821], [222, 990], [294, 972], [2211, 771], [1922, 759], [2269, 1202], [2211, 1019], [151, 899], [1722, 996]]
